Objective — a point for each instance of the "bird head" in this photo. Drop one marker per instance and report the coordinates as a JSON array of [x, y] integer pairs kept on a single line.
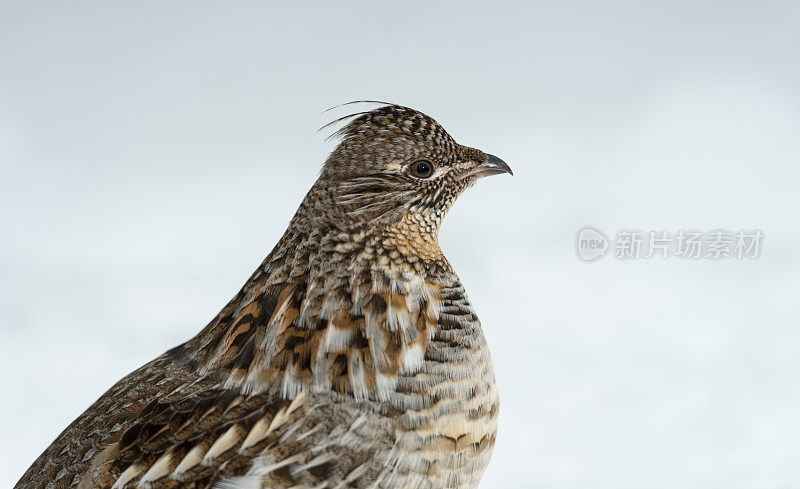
[[396, 166]]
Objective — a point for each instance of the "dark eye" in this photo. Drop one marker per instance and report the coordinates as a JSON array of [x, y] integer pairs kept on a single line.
[[422, 169]]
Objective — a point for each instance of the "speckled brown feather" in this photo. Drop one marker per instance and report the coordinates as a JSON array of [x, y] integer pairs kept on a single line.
[[350, 358]]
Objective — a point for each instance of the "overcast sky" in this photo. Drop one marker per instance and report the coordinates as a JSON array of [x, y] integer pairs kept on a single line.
[[139, 140]]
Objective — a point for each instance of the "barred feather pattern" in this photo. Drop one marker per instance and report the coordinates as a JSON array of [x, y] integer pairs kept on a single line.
[[351, 358]]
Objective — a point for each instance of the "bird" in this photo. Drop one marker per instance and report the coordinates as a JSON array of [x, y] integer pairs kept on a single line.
[[351, 358]]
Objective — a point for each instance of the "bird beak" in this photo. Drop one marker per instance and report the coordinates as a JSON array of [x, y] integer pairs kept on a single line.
[[492, 165]]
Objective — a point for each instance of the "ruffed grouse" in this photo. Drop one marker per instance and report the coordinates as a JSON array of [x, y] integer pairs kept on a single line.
[[351, 358]]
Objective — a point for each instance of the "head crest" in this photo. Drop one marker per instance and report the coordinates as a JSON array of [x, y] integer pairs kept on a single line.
[[388, 120]]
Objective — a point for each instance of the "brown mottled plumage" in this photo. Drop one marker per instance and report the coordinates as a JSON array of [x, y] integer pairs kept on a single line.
[[351, 358]]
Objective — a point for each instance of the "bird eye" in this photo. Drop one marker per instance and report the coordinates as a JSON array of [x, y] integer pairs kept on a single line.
[[421, 169]]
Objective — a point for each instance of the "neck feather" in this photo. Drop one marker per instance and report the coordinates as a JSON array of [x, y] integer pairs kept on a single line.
[[336, 306]]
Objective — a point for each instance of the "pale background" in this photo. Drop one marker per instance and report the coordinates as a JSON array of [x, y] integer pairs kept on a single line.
[[152, 153]]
